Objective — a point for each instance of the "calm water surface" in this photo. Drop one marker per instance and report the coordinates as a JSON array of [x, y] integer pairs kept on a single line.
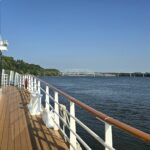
[[126, 99]]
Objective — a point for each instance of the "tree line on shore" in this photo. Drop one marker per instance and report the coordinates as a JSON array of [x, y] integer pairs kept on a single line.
[[9, 63]]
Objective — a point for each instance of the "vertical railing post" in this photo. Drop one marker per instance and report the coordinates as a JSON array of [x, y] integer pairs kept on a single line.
[[31, 83], [13, 76], [47, 98], [39, 87], [3, 77], [15, 80], [10, 77], [23, 79], [35, 86], [20, 80], [28, 83], [39, 92], [56, 107], [73, 139], [108, 135]]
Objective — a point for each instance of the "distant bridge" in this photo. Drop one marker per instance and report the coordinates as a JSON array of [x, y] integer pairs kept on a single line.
[[103, 74], [82, 73], [78, 72]]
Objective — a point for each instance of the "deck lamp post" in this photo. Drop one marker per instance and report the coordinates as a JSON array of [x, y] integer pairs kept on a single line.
[[3, 47]]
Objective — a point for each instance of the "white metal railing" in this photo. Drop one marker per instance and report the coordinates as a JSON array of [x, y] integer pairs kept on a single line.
[[4, 78], [68, 120], [67, 117], [74, 139]]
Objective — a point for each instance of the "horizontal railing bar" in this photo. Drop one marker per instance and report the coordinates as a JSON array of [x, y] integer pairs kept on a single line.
[[60, 127], [64, 123], [50, 97], [123, 126], [64, 134], [92, 133], [78, 137], [80, 123]]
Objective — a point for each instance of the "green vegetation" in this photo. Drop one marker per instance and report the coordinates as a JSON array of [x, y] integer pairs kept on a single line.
[[22, 67]]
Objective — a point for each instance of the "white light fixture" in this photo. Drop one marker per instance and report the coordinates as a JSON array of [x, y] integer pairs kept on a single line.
[[3, 45]]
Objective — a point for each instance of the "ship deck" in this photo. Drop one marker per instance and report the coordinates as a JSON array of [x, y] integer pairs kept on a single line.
[[21, 131]]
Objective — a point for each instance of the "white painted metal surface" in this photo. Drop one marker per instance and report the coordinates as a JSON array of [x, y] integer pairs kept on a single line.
[[35, 105], [47, 98], [73, 139], [35, 85], [47, 117], [108, 135], [56, 107], [11, 77], [40, 98], [4, 81], [54, 116]]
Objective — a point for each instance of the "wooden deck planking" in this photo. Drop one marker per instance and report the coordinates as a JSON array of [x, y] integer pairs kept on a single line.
[[2, 120], [25, 139], [11, 129], [24, 128], [21, 131], [42, 135], [5, 130], [16, 122]]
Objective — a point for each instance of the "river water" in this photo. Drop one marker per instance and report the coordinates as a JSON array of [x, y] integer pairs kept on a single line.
[[124, 98]]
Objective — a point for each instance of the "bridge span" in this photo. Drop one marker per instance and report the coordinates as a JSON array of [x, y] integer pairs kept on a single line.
[[104, 74]]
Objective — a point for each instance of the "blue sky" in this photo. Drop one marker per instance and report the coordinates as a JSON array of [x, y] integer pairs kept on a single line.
[[99, 35]]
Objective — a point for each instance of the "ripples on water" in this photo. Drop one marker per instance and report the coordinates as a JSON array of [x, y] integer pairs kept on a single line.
[[126, 99]]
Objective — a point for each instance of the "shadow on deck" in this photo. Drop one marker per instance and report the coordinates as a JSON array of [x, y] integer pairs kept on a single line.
[[20, 130]]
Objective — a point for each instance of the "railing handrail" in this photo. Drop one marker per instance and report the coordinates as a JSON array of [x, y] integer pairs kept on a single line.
[[99, 139], [102, 116]]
